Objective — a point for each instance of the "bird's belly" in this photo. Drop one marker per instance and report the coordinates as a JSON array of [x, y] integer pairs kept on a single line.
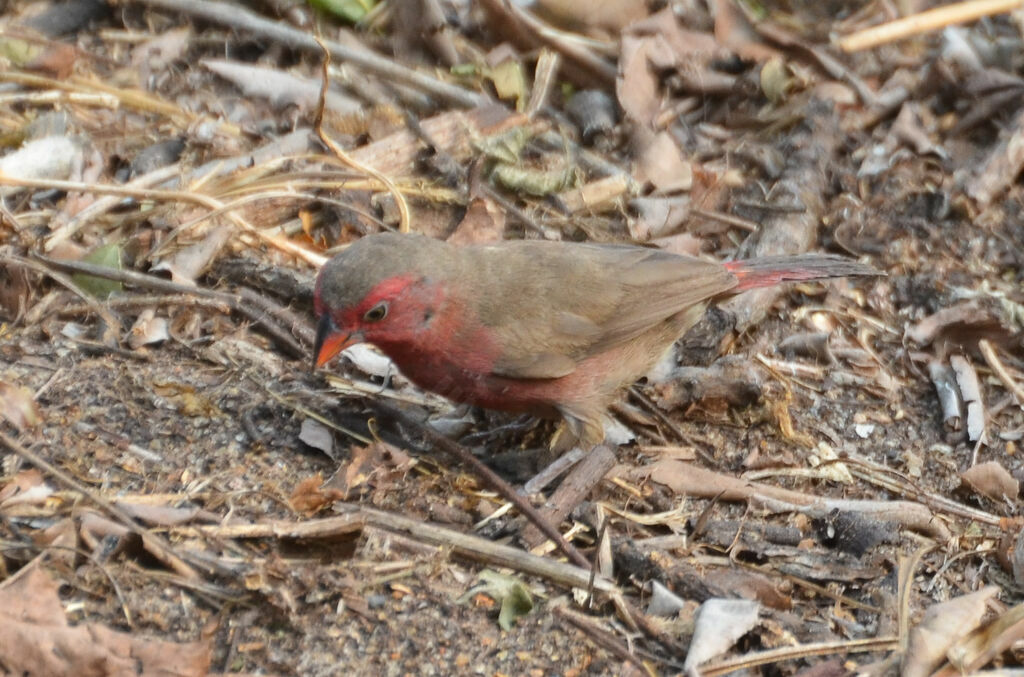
[[460, 384], [594, 384]]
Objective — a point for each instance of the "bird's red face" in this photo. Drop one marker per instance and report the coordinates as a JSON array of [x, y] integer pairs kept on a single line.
[[397, 311]]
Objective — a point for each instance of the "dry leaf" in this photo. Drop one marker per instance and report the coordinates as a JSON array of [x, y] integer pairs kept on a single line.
[[38, 641], [483, 223], [992, 480], [27, 487], [311, 497], [315, 434], [637, 86], [189, 263], [662, 162], [366, 462], [719, 623], [148, 328], [942, 626], [609, 15], [18, 407]]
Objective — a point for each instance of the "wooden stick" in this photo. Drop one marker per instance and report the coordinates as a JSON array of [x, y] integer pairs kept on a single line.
[[237, 18], [573, 489], [923, 22]]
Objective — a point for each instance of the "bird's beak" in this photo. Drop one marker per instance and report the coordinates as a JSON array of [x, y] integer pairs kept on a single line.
[[330, 341]]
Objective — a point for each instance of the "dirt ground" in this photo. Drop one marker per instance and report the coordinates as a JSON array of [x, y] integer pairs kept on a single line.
[[180, 491]]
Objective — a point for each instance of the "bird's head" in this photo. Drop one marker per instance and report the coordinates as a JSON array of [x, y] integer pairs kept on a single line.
[[384, 289]]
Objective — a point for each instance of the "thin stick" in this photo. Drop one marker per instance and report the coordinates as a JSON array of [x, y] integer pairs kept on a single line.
[[169, 196], [997, 366], [353, 518], [923, 22], [238, 19], [403, 207], [491, 478], [155, 545], [234, 301]]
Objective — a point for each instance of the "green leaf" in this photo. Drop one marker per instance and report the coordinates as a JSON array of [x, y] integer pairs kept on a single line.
[[108, 256], [508, 591], [352, 11], [516, 604]]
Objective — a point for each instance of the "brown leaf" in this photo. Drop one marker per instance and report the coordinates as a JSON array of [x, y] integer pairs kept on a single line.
[[961, 324], [18, 407], [483, 223], [637, 85], [943, 624], [366, 463], [310, 495], [28, 486], [57, 60], [610, 15], [661, 162], [15, 292], [38, 641], [992, 480]]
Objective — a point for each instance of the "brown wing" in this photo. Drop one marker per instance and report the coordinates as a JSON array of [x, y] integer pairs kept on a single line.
[[554, 304]]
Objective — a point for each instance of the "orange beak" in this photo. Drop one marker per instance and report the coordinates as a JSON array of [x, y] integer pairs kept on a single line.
[[330, 341]]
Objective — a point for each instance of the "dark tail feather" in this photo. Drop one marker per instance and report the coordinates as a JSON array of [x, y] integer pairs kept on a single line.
[[770, 270]]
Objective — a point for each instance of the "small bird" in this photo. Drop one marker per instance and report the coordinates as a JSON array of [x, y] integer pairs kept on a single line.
[[555, 329]]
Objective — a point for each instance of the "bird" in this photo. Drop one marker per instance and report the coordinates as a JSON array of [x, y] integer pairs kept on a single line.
[[551, 328]]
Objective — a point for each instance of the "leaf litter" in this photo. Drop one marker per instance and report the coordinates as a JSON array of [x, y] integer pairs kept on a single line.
[[842, 460]]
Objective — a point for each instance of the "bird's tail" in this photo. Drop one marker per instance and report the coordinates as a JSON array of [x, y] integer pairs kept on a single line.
[[770, 270]]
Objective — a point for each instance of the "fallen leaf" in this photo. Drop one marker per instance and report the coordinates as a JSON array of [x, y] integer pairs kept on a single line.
[[507, 590], [189, 263], [719, 623], [993, 481], [942, 626], [28, 486], [662, 163], [18, 407], [483, 223], [365, 463], [607, 15], [311, 496], [107, 256], [315, 434], [38, 641], [148, 329]]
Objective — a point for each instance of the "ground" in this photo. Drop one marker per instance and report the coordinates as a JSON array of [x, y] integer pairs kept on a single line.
[[160, 445]]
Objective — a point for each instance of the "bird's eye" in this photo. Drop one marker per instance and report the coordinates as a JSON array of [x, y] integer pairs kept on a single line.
[[377, 313]]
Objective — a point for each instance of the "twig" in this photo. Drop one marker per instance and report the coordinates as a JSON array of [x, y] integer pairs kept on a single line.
[[573, 489], [930, 20], [787, 653], [63, 280], [601, 637], [239, 19], [469, 546], [880, 476], [154, 544], [727, 219], [997, 366], [169, 196], [235, 301], [403, 207], [491, 478]]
